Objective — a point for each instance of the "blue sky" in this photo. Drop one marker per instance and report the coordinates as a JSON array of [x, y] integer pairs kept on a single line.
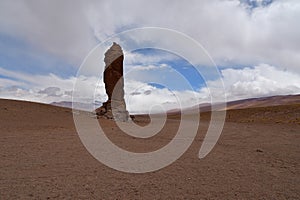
[[254, 43], [176, 63], [17, 54], [252, 4]]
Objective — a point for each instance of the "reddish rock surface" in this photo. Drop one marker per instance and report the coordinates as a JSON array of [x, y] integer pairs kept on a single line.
[[114, 107]]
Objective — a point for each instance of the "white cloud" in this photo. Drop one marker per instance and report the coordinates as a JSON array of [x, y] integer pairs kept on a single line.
[[140, 96], [51, 91], [59, 28], [35, 81], [132, 58], [232, 35], [149, 67], [262, 80]]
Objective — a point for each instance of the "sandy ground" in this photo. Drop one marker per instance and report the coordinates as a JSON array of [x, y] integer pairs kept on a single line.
[[42, 157]]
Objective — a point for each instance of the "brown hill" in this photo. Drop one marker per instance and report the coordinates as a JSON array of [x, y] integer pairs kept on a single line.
[[245, 103], [264, 102]]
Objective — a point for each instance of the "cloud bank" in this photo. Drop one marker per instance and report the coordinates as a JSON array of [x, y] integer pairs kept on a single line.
[[141, 97], [232, 34]]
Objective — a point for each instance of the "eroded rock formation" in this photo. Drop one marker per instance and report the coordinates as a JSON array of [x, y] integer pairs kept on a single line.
[[114, 107]]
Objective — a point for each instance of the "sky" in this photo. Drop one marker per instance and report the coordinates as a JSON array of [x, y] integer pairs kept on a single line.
[[253, 47]]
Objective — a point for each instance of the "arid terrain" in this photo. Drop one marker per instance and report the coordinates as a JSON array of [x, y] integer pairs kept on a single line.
[[256, 157]]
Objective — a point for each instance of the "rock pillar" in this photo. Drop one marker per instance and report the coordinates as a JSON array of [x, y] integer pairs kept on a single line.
[[114, 107]]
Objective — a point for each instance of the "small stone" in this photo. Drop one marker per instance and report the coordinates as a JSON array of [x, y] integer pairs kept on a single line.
[[259, 150]]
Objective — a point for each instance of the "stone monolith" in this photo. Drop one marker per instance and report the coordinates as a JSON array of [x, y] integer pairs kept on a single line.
[[115, 107]]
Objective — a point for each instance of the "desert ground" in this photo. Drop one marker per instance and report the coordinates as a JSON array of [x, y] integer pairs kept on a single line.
[[256, 157]]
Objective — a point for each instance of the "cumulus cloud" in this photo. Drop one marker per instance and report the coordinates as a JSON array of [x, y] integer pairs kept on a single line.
[[38, 88], [149, 67], [51, 91], [258, 81], [134, 58], [261, 80], [232, 35], [59, 28], [141, 97]]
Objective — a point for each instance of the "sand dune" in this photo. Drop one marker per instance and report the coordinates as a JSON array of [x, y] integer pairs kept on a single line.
[[42, 157]]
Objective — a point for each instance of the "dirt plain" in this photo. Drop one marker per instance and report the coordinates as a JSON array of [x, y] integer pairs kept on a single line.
[[256, 157]]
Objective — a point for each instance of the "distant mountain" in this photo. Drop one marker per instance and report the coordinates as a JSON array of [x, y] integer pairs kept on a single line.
[[245, 103], [264, 102], [239, 104], [77, 105], [66, 104]]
